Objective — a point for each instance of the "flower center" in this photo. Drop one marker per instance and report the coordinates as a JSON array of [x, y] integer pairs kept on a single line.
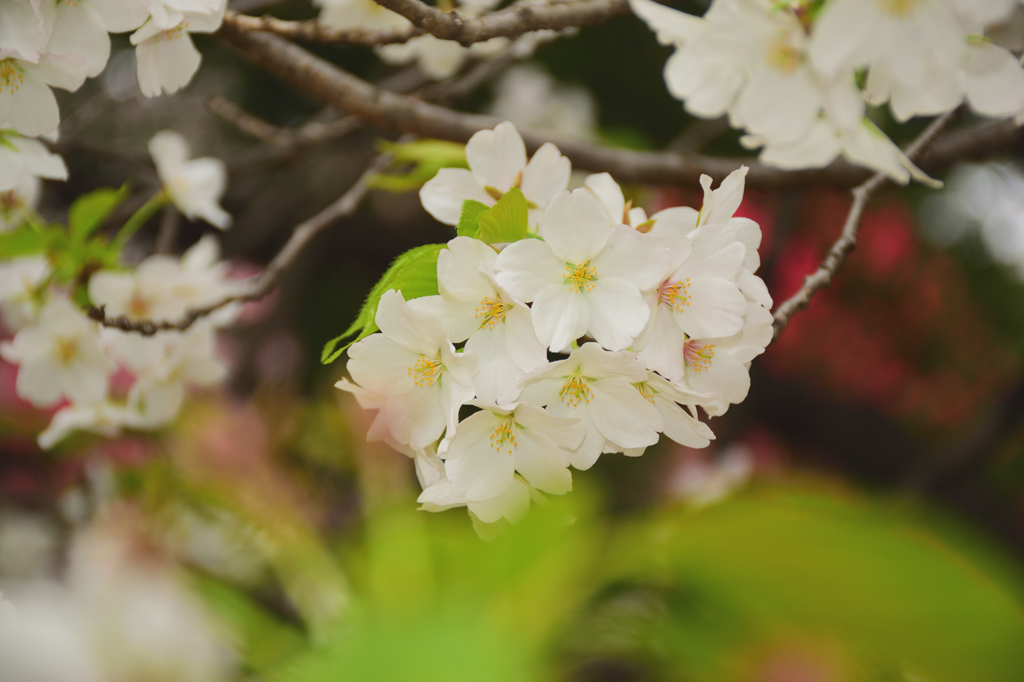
[[676, 295], [698, 355], [492, 310], [426, 370], [176, 32], [67, 351], [11, 77], [504, 435], [646, 391], [575, 391], [782, 56], [138, 306], [580, 277], [899, 8]]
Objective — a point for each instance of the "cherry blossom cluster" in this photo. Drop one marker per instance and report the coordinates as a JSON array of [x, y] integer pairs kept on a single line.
[[599, 331], [45, 45], [103, 379], [788, 72], [437, 59]]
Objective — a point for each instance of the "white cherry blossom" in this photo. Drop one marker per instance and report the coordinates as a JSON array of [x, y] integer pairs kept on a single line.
[[597, 387], [177, 360], [921, 56], [497, 162], [103, 418], [59, 356], [494, 325], [165, 288], [698, 298], [585, 277], [23, 161], [719, 207], [511, 504], [491, 445], [720, 367], [21, 284], [677, 407], [167, 58], [414, 365], [196, 186]]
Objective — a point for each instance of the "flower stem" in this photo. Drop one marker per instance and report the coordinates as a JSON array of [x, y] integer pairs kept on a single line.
[[140, 217]]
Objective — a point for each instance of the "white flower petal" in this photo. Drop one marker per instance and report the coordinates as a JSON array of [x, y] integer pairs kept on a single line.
[[496, 157], [443, 196]]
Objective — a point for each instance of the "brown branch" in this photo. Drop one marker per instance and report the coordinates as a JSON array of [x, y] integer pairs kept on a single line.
[[511, 22], [390, 111], [317, 32], [311, 133], [260, 285], [836, 256]]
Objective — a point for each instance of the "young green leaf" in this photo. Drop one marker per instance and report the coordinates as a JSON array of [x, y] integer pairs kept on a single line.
[[469, 219], [90, 210], [414, 273], [23, 242], [417, 162], [507, 220]]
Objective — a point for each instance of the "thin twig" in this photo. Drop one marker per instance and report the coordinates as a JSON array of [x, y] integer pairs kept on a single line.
[[317, 32], [402, 113], [314, 132], [170, 221], [836, 256], [511, 22], [260, 285]]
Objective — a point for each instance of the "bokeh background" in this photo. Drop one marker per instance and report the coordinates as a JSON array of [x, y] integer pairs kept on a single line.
[[859, 517]]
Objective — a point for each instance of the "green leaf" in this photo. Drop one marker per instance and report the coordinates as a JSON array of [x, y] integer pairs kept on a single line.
[[506, 221], [414, 273], [90, 210], [469, 219], [418, 161], [263, 641], [23, 242]]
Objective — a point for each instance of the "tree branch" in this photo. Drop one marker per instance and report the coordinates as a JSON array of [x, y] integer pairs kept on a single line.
[[836, 256], [511, 22], [260, 285], [316, 32], [390, 111]]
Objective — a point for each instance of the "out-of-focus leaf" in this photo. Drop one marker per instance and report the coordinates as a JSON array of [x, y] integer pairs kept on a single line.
[[420, 159], [414, 274], [469, 218], [507, 221], [23, 242], [263, 641], [90, 210], [779, 565]]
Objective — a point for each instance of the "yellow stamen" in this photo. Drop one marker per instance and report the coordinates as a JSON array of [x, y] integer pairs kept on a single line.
[[676, 295], [504, 435], [698, 355], [580, 277], [782, 56], [899, 8], [646, 391], [11, 77], [575, 391], [492, 310], [67, 351], [426, 370]]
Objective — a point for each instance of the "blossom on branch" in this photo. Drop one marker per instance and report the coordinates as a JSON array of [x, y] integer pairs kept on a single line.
[[497, 162], [194, 185]]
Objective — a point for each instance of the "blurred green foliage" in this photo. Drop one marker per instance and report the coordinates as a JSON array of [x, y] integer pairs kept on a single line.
[[781, 575]]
